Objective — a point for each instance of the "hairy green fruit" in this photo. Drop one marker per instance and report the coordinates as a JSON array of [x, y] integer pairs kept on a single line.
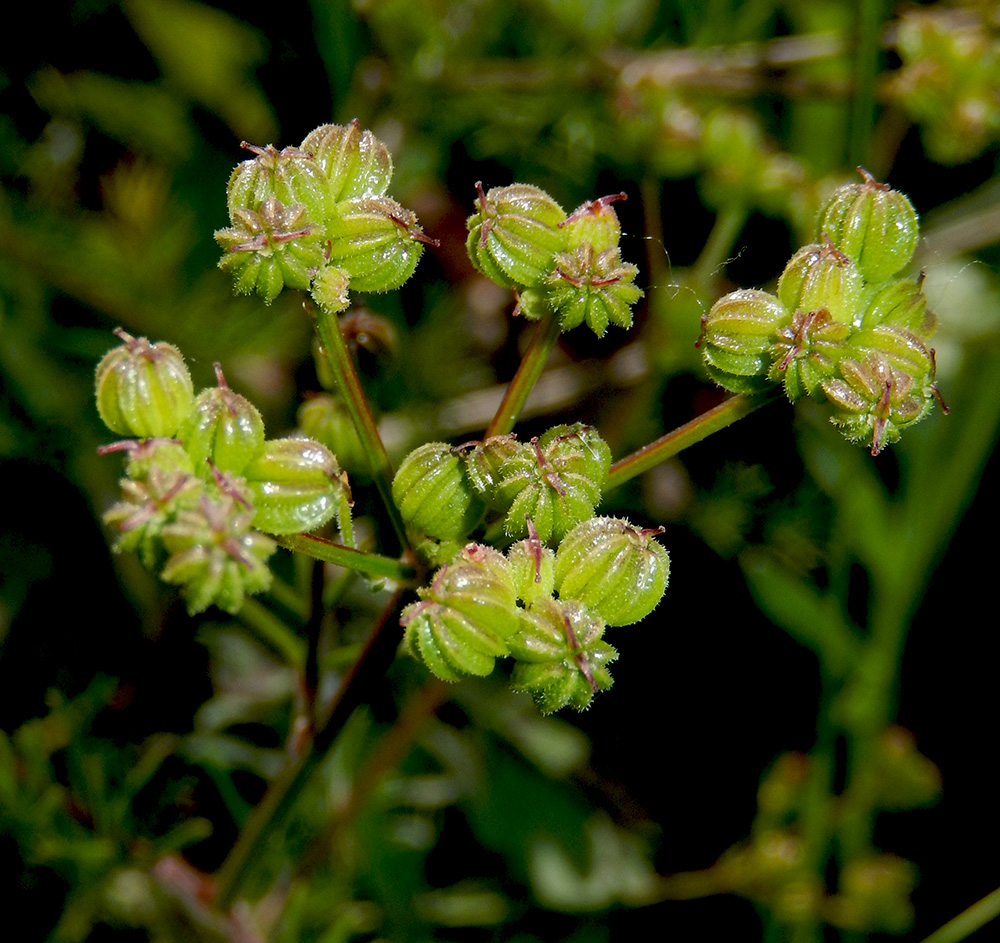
[[514, 234], [289, 176], [375, 241], [215, 556], [356, 163], [433, 493], [619, 572], [737, 336], [874, 225], [295, 485], [561, 658], [901, 303], [554, 481], [873, 401], [465, 616], [594, 223], [143, 389], [267, 249], [532, 567], [821, 278], [159, 485], [807, 350], [223, 429], [596, 287]]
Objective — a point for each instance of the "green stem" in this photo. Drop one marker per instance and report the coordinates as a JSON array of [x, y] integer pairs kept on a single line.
[[270, 629], [270, 813], [546, 334], [350, 388], [871, 13], [968, 921], [725, 414], [729, 222], [329, 552]]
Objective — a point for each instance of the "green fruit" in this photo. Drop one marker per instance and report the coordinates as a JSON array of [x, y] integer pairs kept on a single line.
[[295, 485], [619, 572], [464, 617], [356, 163], [821, 278], [596, 287], [215, 556], [223, 428], [806, 352], [561, 658], [375, 241], [434, 495], [514, 234], [872, 401], [736, 339], [874, 225], [143, 389]]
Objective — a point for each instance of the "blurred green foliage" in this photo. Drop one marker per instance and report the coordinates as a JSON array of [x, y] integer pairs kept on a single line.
[[136, 743]]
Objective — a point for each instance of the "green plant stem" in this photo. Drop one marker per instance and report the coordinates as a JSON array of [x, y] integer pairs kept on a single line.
[[349, 386], [871, 14], [329, 552], [725, 414], [728, 224], [270, 813], [969, 920], [270, 629], [544, 339]]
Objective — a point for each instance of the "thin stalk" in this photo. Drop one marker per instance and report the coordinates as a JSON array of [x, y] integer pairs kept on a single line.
[[727, 226], [350, 388], [329, 552], [271, 812], [701, 427], [270, 629], [969, 920], [871, 14], [544, 339]]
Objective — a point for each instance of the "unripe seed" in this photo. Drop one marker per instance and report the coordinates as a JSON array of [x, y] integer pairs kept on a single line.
[[532, 567], [619, 572], [873, 224], [159, 485], [514, 234], [355, 161], [215, 556], [820, 277], [737, 336], [554, 481], [295, 485], [594, 223], [464, 617], [375, 241], [901, 303], [289, 176], [143, 389], [589, 286], [268, 249], [223, 428], [433, 493], [806, 352], [873, 401], [561, 659]]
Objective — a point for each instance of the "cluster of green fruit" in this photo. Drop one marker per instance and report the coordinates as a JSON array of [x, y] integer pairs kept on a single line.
[[565, 267], [316, 218], [548, 609], [203, 486], [842, 327]]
